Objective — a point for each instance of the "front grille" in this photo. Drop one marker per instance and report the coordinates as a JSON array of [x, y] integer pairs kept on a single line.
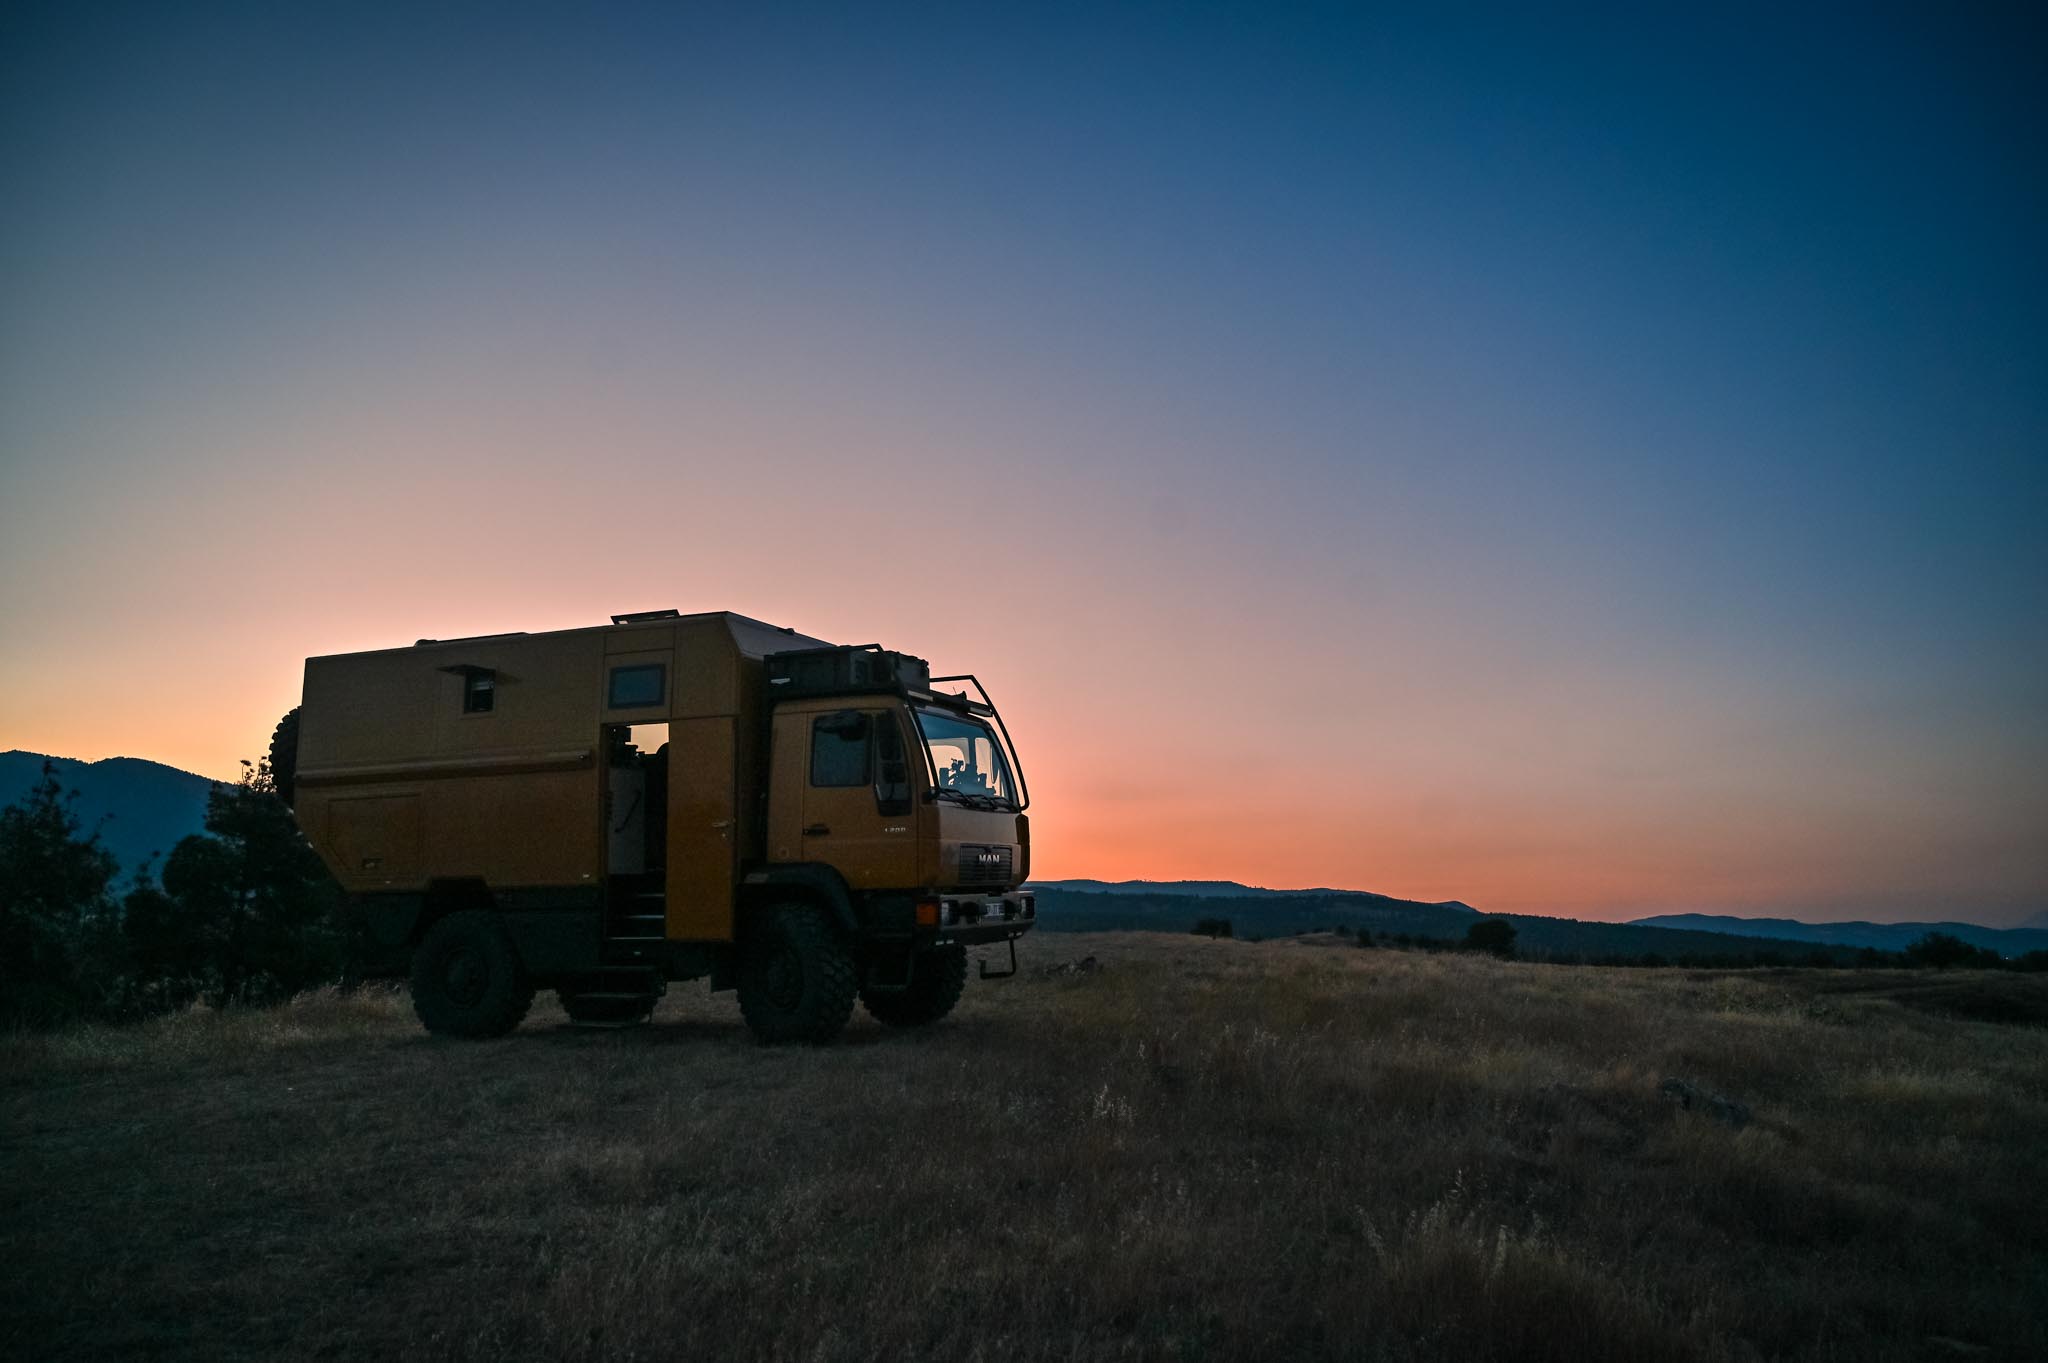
[[985, 865]]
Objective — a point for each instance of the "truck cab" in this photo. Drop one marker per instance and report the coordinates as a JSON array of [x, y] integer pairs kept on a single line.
[[610, 810]]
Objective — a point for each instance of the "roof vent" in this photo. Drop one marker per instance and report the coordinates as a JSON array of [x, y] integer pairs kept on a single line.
[[638, 617]]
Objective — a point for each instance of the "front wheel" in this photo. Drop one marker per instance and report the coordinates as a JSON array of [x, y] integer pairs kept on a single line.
[[796, 978], [467, 979], [936, 979]]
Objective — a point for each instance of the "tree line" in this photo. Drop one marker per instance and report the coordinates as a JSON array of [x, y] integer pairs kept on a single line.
[[1496, 937], [243, 913]]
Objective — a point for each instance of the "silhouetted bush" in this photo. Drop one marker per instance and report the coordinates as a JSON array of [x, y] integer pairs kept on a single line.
[[53, 884], [1943, 950], [1493, 935], [1212, 927], [244, 913]]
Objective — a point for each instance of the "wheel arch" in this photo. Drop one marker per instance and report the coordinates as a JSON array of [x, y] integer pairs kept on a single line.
[[454, 895], [812, 882]]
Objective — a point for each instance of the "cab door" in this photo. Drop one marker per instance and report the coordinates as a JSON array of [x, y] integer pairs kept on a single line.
[[856, 800]]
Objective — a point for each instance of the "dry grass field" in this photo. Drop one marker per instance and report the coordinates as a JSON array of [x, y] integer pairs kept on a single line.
[[1199, 1150]]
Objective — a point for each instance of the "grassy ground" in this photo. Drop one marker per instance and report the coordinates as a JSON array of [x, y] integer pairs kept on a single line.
[[1200, 1150]]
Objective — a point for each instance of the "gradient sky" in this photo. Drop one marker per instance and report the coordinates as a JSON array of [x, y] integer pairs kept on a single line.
[[1589, 465]]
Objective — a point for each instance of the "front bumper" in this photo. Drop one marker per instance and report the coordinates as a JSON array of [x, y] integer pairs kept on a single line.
[[974, 919]]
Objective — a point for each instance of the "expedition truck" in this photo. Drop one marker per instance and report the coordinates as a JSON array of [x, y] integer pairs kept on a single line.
[[601, 811]]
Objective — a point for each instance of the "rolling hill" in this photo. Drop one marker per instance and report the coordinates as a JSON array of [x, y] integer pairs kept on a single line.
[[141, 808], [1176, 906], [1882, 936], [1225, 889]]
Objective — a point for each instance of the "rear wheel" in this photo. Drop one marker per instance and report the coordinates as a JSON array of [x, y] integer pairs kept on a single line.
[[796, 980], [467, 979], [936, 979]]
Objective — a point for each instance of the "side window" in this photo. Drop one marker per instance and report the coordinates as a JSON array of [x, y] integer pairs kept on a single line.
[[633, 687], [479, 691], [839, 749]]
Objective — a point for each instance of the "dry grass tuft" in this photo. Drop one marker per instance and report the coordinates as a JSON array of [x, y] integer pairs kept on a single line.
[[1203, 1149]]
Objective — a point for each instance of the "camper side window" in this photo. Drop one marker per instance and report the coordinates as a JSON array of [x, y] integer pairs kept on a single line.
[[633, 687], [479, 692]]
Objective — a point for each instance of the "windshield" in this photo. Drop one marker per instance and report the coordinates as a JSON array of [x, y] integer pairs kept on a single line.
[[966, 756]]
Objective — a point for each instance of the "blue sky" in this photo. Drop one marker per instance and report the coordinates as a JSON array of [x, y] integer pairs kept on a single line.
[[1612, 438]]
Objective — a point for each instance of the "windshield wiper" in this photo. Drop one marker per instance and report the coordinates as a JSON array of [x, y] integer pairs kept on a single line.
[[974, 801]]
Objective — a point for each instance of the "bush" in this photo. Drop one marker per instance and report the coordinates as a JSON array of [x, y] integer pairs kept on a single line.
[[245, 912], [1493, 935], [1212, 927], [1941, 950], [53, 891]]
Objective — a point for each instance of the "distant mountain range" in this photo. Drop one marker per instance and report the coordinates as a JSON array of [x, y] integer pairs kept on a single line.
[[140, 807], [1176, 905], [1883, 936], [143, 808], [1229, 889]]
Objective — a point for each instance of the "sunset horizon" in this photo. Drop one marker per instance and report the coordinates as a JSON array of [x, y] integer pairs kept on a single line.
[[1588, 469], [1487, 879]]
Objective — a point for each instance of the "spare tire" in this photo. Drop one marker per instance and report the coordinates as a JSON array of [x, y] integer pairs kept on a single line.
[[284, 755]]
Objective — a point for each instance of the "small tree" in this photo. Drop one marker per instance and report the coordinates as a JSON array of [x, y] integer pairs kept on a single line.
[[246, 912], [1942, 950], [1493, 935], [53, 884], [167, 950], [1212, 927]]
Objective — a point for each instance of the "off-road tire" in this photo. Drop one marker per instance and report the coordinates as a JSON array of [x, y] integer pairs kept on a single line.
[[608, 1012], [796, 979], [284, 755], [936, 979], [467, 979]]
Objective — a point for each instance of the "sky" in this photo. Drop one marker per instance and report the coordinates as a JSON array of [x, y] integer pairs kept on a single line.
[[1593, 465]]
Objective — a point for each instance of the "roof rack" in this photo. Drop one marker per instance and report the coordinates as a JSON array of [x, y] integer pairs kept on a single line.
[[854, 669]]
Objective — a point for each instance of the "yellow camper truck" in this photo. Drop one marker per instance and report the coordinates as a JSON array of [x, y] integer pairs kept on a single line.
[[601, 811]]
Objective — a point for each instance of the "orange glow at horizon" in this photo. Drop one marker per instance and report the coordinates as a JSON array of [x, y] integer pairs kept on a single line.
[[1185, 725]]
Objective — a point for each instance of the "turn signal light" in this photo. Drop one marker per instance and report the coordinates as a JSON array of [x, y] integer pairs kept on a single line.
[[927, 913]]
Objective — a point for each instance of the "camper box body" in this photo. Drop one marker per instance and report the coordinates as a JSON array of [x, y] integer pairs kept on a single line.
[[518, 774]]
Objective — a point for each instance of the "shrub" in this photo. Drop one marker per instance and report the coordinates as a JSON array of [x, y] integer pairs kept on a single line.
[[1493, 935], [1942, 950]]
